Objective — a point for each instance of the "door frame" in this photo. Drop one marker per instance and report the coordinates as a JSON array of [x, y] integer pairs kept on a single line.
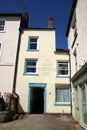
[[36, 85]]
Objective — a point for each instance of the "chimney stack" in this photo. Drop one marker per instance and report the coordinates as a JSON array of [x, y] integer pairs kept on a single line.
[[25, 20], [50, 22]]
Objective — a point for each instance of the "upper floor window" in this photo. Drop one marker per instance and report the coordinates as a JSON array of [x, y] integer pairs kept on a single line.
[[2, 25], [33, 43], [31, 66], [63, 68]]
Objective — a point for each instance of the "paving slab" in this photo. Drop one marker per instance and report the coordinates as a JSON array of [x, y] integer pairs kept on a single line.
[[42, 122]]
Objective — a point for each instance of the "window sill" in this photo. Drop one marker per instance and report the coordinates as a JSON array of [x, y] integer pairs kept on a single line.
[[2, 31], [27, 74], [32, 50], [62, 104], [62, 76]]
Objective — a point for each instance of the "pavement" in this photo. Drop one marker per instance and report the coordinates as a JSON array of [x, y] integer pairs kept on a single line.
[[42, 122]]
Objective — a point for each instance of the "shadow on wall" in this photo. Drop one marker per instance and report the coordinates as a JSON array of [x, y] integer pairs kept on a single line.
[[20, 109]]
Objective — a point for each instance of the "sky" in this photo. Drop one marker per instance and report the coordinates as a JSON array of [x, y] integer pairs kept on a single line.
[[39, 11]]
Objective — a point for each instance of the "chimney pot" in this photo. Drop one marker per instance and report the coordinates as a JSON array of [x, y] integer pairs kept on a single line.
[[50, 22]]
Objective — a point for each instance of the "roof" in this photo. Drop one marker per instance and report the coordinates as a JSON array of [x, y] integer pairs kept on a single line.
[[45, 29], [82, 70], [71, 15], [10, 14], [62, 51]]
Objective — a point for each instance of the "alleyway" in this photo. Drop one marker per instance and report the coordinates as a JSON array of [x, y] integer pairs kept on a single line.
[[42, 122]]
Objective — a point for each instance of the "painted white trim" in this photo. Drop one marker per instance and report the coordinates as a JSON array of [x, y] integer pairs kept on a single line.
[[36, 66], [58, 69], [1, 50], [33, 43], [60, 86], [62, 102]]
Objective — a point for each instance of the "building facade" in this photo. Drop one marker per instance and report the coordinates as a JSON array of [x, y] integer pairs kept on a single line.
[[9, 35], [42, 83], [11, 26], [77, 43]]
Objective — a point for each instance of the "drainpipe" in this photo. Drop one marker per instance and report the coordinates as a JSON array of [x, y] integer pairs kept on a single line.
[[23, 25], [16, 63], [70, 81], [16, 66]]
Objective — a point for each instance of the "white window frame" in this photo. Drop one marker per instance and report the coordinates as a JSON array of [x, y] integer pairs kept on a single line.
[[31, 37], [27, 66], [0, 49], [4, 25], [62, 86], [62, 62]]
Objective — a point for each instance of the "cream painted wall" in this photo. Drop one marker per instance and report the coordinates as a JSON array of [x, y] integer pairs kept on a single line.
[[9, 40], [47, 70], [81, 40], [81, 49]]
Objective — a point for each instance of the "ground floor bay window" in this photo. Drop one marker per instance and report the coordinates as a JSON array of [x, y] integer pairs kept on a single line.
[[84, 102], [62, 95], [80, 103], [79, 85]]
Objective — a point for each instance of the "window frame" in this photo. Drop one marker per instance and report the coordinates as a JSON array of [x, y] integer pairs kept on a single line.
[[0, 49], [31, 43], [31, 60], [62, 86], [58, 68], [4, 27]]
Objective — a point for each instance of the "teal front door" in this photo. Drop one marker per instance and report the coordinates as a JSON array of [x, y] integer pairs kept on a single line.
[[37, 98]]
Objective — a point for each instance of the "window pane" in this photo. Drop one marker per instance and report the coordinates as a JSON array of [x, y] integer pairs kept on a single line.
[[33, 39], [62, 68], [32, 70], [2, 23], [63, 72], [33, 63], [62, 94], [31, 66], [33, 43], [33, 46], [63, 65]]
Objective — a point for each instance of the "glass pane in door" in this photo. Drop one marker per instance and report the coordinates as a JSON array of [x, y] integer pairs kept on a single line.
[[84, 105]]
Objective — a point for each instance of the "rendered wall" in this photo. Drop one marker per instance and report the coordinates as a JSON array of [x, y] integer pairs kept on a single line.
[[9, 40], [80, 46], [81, 40], [47, 69]]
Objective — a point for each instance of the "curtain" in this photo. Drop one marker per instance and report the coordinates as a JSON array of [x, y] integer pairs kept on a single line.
[[62, 94]]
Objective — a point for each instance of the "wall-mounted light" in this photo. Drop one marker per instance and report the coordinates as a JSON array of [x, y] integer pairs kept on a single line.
[[77, 44]]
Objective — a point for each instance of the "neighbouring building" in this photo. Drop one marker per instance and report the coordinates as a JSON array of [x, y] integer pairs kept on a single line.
[[43, 75], [10, 28], [77, 43]]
